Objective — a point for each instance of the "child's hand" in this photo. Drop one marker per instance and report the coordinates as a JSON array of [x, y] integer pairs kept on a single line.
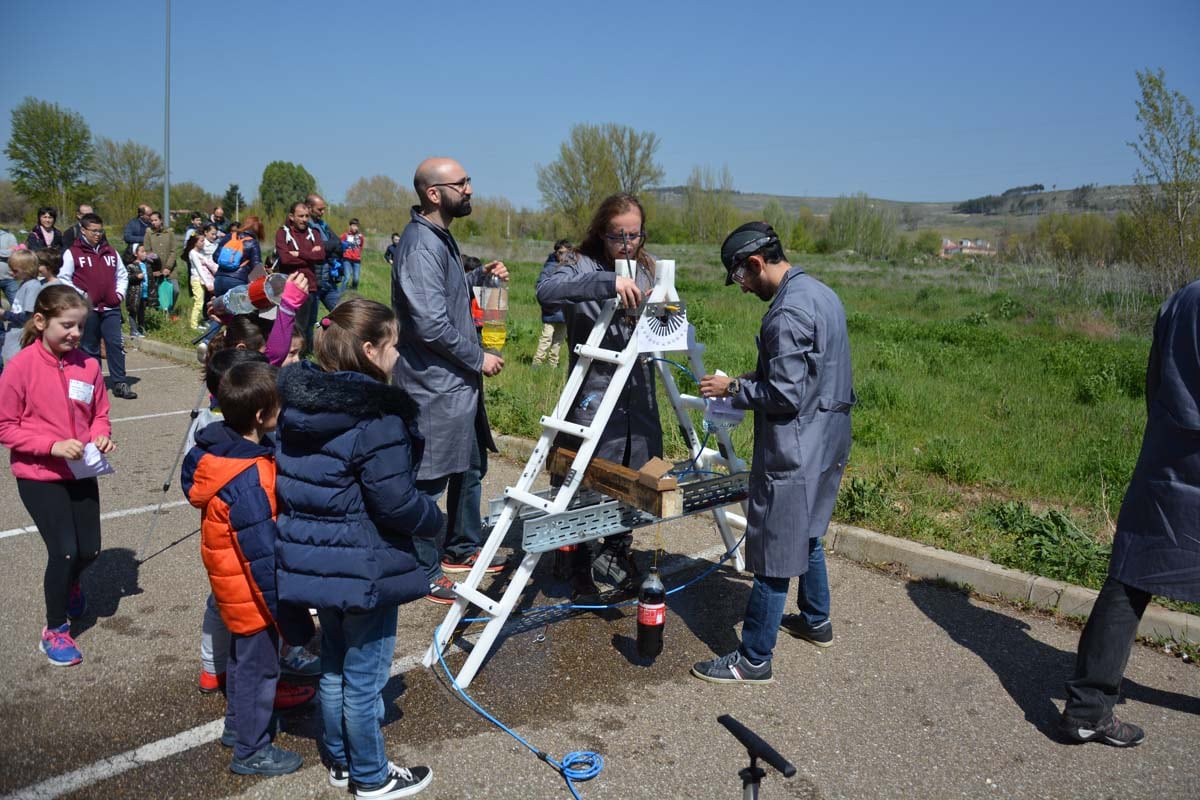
[[298, 279], [68, 448], [104, 444]]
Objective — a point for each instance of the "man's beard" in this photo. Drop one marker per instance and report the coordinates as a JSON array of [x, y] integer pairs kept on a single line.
[[461, 209]]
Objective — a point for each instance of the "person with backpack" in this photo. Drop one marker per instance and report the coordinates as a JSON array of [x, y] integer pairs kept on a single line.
[[237, 256]]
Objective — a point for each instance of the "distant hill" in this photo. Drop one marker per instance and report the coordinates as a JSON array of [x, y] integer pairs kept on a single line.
[[1018, 212]]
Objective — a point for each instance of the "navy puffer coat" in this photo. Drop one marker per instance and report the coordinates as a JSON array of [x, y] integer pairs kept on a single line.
[[347, 457]]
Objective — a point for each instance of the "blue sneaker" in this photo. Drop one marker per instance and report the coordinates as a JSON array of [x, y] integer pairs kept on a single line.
[[59, 647], [268, 761], [76, 602]]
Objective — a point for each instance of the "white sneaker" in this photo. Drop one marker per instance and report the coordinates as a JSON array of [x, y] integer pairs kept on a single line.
[[298, 661]]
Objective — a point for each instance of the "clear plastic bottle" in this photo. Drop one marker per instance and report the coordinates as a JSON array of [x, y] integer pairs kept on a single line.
[[720, 415], [493, 299], [248, 298]]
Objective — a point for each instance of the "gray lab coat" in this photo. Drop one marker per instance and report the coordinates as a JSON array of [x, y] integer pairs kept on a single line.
[[634, 434], [801, 395], [441, 359], [1157, 546]]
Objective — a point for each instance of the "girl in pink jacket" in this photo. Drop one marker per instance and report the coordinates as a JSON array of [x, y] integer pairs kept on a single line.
[[53, 409]]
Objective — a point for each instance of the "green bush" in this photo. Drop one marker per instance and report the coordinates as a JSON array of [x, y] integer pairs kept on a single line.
[[861, 499], [1048, 544], [947, 459]]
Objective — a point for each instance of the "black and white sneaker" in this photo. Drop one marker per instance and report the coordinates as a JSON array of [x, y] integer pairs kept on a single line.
[[400, 782], [1109, 730], [339, 776], [733, 668], [794, 624]]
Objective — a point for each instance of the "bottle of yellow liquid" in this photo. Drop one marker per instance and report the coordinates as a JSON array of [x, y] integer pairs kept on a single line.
[[493, 299]]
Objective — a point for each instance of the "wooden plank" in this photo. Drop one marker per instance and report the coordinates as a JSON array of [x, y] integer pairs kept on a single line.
[[622, 483]]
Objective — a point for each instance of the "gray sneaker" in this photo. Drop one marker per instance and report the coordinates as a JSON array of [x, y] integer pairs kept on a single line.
[[1110, 731], [821, 636], [733, 668]]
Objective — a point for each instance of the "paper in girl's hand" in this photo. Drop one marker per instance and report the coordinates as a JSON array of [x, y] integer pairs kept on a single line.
[[92, 464]]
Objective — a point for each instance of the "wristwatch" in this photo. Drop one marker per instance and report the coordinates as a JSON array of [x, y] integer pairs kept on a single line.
[[733, 387]]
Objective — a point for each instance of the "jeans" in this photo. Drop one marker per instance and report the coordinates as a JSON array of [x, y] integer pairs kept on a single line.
[[9, 286], [1104, 649], [356, 657], [107, 325], [352, 270], [768, 597], [462, 533]]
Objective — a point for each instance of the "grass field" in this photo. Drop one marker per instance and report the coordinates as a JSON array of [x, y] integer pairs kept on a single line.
[[997, 416]]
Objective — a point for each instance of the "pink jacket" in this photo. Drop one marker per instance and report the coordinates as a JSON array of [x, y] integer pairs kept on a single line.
[[44, 400]]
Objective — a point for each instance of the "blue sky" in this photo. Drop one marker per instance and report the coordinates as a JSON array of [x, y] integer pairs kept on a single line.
[[908, 101]]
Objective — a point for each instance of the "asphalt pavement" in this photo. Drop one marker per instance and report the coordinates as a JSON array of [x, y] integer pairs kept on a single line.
[[926, 691]]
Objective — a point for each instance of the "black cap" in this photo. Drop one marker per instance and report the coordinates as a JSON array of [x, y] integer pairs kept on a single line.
[[747, 239]]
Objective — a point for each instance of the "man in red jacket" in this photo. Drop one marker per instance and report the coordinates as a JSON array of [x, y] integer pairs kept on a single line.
[[299, 249], [93, 267]]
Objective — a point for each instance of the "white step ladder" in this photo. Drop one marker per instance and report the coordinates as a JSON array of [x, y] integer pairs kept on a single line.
[[567, 515]]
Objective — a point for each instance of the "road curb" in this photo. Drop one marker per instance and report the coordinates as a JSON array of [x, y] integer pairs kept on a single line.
[[923, 561], [164, 350]]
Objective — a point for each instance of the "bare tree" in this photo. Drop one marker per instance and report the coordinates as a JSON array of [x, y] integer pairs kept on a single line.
[[128, 173]]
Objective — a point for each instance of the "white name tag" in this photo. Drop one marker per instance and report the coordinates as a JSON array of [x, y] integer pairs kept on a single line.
[[81, 391]]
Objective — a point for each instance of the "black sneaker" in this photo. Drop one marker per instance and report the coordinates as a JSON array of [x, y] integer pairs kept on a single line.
[[339, 776], [123, 391], [400, 782], [441, 590], [1108, 731], [733, 668], [268, 761], [821, 636]]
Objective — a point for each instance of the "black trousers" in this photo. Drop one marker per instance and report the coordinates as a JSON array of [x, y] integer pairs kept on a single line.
[[1104, 651], [250, 679], [67, 515]]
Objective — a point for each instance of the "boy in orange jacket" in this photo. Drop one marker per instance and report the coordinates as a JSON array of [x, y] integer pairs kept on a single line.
[[230, 475]]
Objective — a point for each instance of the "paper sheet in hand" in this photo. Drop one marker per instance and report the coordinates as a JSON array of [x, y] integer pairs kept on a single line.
[[92, 464]]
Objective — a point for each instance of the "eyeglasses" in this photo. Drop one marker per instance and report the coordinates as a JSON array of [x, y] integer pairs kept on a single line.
[[616, 238], [95, 231], [738, 276], [459, 185]]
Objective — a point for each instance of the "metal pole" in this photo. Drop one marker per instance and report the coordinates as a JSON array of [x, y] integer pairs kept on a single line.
[[166, 215]]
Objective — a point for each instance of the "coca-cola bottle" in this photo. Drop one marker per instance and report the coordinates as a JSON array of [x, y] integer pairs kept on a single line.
[[652, 615]]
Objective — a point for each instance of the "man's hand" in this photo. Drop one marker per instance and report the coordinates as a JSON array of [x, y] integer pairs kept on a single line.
[[628, 292], [294, 253], [496, 268], [492, 364], [104, 444], [68, 448], [714, 385]]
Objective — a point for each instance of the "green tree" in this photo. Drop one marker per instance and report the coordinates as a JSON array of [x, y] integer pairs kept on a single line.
[[128, 174], [284, 183], [14, 208], [774, 214], [594, 162], [50, 150], [1168, 182], [708, 211], [190, 196], [857, 223], [379, 202], [233, 203]]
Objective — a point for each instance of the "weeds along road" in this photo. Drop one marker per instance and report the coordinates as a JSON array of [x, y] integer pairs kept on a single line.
[[925, 692]]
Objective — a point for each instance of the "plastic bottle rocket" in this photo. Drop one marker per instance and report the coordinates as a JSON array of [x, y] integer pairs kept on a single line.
[[248, 298], [652, 615]]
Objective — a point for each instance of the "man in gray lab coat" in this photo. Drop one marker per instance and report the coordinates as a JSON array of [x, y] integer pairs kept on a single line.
[[1156, 549], [441, 362], [801, 394]]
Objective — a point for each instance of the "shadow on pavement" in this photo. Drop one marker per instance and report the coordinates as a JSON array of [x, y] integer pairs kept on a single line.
[[113, 576], [1032, 672]]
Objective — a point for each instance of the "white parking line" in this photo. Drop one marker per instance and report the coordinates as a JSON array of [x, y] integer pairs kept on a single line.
[[152, 416], [126, 512], [211, 731], [151, 369]]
